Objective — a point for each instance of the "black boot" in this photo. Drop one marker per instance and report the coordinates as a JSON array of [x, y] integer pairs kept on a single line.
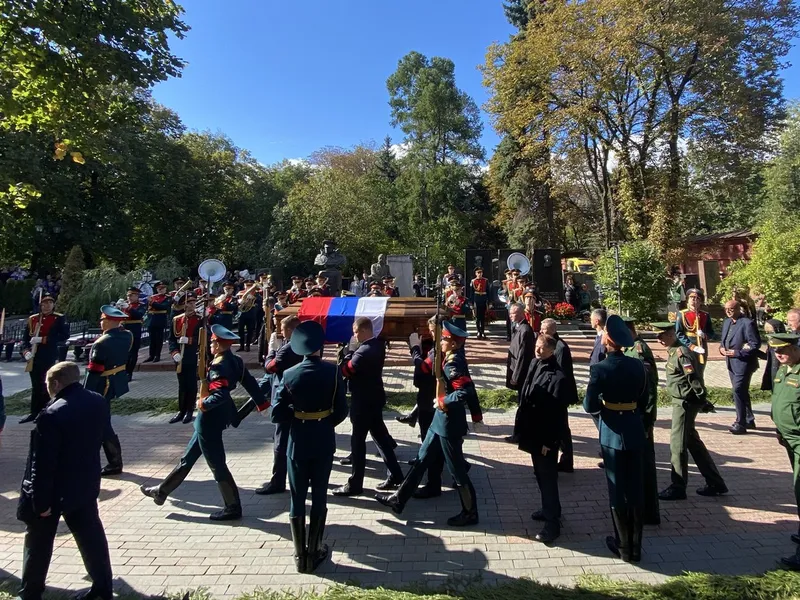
[[469, 509], [619, 543], [298, 525], [637, 524], [410, 419], [113, 452], [160, 492], [230, 497], [317, 551], [176, 418]]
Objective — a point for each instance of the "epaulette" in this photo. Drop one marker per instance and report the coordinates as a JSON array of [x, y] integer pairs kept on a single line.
[[59, 314]]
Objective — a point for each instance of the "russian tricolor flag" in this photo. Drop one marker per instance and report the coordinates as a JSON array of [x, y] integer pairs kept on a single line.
[[336, 315]]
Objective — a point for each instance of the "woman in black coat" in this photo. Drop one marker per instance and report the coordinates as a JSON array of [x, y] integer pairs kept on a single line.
[[771, 326]]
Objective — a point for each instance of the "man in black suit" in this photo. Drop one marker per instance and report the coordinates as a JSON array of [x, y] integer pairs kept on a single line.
[[563, 356], [739, 345], [364, 369], [520, 354], [598, 321], [64, 479]]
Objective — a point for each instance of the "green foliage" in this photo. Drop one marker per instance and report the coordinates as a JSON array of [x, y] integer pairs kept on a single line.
[[643, 279], [71, 276], [15, 296], [167, 269], [782, 176], [98, 286], [773, 268]]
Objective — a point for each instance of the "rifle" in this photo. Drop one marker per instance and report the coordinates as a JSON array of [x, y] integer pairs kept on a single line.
[[34, 347], [202, 355]]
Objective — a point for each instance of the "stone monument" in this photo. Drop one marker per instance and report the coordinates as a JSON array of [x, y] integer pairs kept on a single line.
[[402, 268], [546, 272], [380, 269], [331, 261]]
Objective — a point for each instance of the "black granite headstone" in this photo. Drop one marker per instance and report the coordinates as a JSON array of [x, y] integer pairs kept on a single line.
[[547, 274], [477, 258]]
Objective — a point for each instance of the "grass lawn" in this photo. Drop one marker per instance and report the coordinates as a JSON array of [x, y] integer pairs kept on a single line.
[[775, 585]]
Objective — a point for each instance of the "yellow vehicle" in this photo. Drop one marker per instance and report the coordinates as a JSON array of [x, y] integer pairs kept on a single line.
[[580, 265]]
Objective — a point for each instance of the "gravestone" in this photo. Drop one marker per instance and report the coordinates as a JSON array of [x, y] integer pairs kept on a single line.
[[477, 258], [546, 272], [402, 269]]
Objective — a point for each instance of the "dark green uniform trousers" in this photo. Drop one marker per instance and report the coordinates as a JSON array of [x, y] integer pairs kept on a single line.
[[685, 440], [794, 460], [650, 480], [86, 527], [315, 472]]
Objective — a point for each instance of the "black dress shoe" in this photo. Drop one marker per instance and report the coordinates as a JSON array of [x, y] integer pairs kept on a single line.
[[27, 419], [463, 519], [512, 439], [347, 490], [409, 420], [537, 515], [672, 493], [391, 501], [176, 418], [157, 359], [737, 429], [271, 488], [389, 484], [565, 468], [791, 562], [548, 534], [154, 493], [601, 465], [188, 419], [109, 470], [751, 425], [346, 461], [712, 490], [148, 359], [427, 491], [413, 461], [229, 513]]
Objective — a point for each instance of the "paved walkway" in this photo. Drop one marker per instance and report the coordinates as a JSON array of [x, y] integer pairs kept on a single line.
[[175, 547]]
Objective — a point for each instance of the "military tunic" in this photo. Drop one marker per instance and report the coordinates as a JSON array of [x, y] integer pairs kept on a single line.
[[133, 324], [479, 288], [685, 386], [643, 352], [785, 411], [157, 313], [54, 331], [687, 330], [190, 327]]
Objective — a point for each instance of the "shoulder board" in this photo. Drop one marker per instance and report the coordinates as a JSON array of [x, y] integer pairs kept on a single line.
[[176, 317], [217, 360], [59, 314], [33, 316]]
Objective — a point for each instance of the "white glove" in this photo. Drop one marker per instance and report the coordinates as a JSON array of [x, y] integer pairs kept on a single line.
[[701, 334], [700, 350], [414, 340], [183, 340], [176, 357], [36, 340], [28, 355], [273, 343]]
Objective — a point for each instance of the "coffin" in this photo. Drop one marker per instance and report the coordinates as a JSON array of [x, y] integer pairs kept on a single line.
[[403, 316]]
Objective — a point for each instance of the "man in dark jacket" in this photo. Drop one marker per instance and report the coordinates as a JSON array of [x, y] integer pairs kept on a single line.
[[543, 404], [364, 369], [520, 354], [563, 356], [65, 480], [598, 321], [739, 345]]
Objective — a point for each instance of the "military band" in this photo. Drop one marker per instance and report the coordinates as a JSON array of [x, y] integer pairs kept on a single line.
[[134, 318], [158, 306], [479, 291], [184, 342]]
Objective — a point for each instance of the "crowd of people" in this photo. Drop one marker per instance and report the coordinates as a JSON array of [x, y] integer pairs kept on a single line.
[[308, 400]]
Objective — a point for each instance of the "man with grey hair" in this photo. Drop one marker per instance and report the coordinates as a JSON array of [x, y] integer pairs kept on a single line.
[[563, 357], [793, 320], [520, 354], [598, 321], [739, 345], [63, 478]]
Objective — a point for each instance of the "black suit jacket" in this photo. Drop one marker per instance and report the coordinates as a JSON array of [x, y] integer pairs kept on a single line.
[[741, 337], [564, 359], [65, 466], [364, 369], [598, 351], [520, 354], [542, 406]]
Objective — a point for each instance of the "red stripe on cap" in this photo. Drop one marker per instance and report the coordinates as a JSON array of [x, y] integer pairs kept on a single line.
[[218, 384]]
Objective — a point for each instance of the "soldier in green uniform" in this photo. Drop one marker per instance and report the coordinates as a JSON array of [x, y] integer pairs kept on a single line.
[[311, 400], [216, 412], [785, 405], [685, 386], [106, 375], [617, 397], [642, 351]]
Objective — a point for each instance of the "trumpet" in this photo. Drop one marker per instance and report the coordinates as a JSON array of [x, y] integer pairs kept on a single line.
[[247, 297], [122, 304]]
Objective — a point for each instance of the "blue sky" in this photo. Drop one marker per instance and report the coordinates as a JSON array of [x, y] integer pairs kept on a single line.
[[283, 79]]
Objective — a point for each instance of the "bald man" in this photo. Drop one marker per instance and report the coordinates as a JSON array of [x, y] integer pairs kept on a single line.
[[739, 345]]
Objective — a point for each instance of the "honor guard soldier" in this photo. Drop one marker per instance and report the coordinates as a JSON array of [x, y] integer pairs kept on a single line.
[[390, 289], [322, 284], [133, 323], [309, 285], [297, 291], [685, 386], [457, 305], [479, 289], [177, 300], [364, 369], [106, 375], [309, 403], [277, 363], [184, 339], [694, 328], [262, 292], [157, 311], [534, 307], [375, 290], [225, 307], [445, 436], [617, 395], [43, 333], [642, 351], [247, 315], [785, 404], [216, 412]]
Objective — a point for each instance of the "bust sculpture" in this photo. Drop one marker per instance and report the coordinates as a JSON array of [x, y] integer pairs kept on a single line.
[[331, 261], [380, 269]]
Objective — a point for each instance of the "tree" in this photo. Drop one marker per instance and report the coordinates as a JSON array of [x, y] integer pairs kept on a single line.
[[782, 175], [63, 64], [643, 279], [71, 275]]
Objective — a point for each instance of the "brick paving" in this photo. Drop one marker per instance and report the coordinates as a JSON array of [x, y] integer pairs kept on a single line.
[[175, 547]]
